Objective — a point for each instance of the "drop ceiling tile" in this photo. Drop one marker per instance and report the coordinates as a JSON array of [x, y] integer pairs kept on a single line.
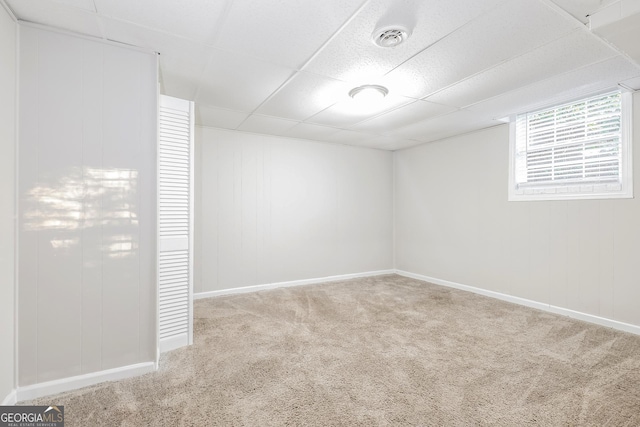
[[607, 15], [385, 142], [444, 126], [218, 117], [573, 51], [286, 32], [624, 31], [57, 15], [352, 55], [178, 80], [305, 95], [350, 137], [182, 62], [629, 7], [508, 31], [81, 4], [310, 131], [194, 19], [129, 33], [581, 9], [403, 116], [238, 82], [265, 124], [633, 83], [348, 112], [402, 144], [561, 88]]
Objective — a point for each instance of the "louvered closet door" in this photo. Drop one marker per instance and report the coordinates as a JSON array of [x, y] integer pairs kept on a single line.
[[175, 260]]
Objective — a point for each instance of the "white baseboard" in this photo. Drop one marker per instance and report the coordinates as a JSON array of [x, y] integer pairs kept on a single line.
[[255, 288], [66, 384], [11, 398], [171, 343], [602, 321]]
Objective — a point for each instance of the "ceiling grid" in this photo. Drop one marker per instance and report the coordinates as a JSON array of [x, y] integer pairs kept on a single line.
[[286, 67]]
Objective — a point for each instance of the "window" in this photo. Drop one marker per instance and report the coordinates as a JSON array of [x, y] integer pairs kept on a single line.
[[578, 150]]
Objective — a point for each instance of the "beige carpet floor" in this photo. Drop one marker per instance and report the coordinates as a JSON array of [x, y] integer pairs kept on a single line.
[[381, 351]]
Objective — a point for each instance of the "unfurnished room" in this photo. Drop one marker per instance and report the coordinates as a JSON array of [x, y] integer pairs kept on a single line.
[[319, 213]]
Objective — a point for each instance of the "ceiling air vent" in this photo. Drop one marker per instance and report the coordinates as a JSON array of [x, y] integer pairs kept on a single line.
[[390, 36]]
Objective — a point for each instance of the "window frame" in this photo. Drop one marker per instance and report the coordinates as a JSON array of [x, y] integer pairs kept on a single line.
[[626, 164]]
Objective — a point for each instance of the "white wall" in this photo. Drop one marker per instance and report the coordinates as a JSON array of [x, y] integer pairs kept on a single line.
[[453, 222], [87, 206], [8, 67], [278, 209]]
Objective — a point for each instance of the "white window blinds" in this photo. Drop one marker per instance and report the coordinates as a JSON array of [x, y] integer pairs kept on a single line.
[[572, 149]]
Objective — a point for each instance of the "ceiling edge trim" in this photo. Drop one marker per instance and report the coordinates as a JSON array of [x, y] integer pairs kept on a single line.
[[268, 135], [454, 136], [6, 7], [85, 37]]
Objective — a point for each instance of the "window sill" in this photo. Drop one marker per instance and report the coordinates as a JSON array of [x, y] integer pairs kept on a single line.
[[516, 197]]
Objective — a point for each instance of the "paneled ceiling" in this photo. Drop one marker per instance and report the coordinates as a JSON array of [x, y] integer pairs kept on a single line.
[[285, 67]]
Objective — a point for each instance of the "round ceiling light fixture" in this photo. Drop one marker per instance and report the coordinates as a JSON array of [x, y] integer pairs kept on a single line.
[[390, 36], [368, 93]]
